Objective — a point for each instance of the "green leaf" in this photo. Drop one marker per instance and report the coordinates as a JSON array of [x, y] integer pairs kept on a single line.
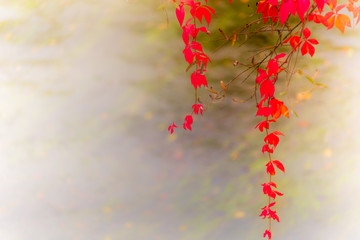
[[295, 113], [310, 79], [321, 85]]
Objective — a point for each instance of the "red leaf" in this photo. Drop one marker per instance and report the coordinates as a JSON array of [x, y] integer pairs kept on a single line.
[[278, 193], [278, 108], [267, 88], [201, 29], [171, 128], [272, 139], [273, 67], [263, 75], [266, 148], [313, 41], [204, 11], [307, 48], [320, 4], [302, 7], [189, 55], [180, 14], [197, 108], [188, 122], [262, 125], [284, 12], [270, 168], [311, 50], [279, 165], [272, 184], [196, 46], [317, 18], [198, 79], [281, 55], [306, 32], [278, 133], [268, 233], [268, 191]]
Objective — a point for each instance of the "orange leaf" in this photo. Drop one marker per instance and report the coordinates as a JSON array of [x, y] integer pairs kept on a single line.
[[342, 21]]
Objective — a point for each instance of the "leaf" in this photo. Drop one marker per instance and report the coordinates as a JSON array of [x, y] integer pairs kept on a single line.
[[272, 139], [310, 79], [342, 21], [188, 122], [281, 55], [271, 204], [278, 193], [278, 133], [267, 233], [267, 88], [262, 125], [198, 79], [266, 148], [171, 128], [295, 113], [272, 184], [279, 165], [196, 46], [180, 14], [306, 33], [188, 54], [270, 168], [320, 4], [320, 85], [307, 48], [313, 41], [197, 108]]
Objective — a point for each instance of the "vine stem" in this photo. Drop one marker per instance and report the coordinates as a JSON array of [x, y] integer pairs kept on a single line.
[[196, 64], [267, 134]]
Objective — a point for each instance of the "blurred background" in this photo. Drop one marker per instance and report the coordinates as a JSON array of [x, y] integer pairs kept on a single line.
[[87, 91]]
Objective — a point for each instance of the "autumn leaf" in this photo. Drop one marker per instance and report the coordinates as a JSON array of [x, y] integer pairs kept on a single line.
[[267, 233], [342, 21], [171, 128], [267, 88], [197, 108], [279, 165], [180, 14], [188, 122], [262, 125]]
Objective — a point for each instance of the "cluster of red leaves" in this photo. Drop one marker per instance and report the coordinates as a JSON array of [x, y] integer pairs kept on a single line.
[[280, 11], [191, 12], [307, 44], [271, 109], [334, 17], [193, 51]]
